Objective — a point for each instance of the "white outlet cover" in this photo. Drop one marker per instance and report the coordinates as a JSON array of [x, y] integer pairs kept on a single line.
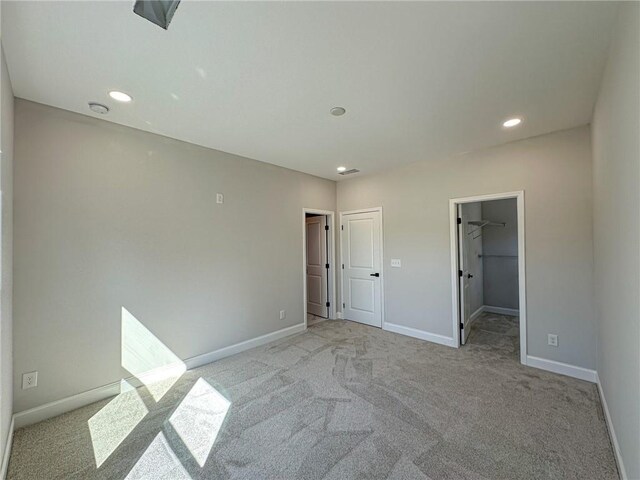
[[552, 340], [219, 198], [283, 314], [29, 380], [395, 262]]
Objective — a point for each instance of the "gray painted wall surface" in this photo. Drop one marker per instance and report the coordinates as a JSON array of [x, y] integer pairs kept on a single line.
[[554, 170], [109, 217], [616, 151], [500, 260], [6, 262]]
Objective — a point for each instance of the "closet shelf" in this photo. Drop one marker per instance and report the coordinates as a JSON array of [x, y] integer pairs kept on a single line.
[[486, 223], [481, 224]]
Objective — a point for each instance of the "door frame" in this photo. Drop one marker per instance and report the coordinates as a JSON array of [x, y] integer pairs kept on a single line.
[[522, 287], [331, 257], [365, 210]]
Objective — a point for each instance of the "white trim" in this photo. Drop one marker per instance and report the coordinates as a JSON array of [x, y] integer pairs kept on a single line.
[[339, 315], [562, 368], [58, 407], [421, 334], [476, 314], [7, 451], [366, 210], [514, 312], [331, 256], [453, 237], [612, 432]]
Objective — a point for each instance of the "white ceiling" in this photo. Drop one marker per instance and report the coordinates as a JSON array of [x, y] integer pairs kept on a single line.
[[418, 80]]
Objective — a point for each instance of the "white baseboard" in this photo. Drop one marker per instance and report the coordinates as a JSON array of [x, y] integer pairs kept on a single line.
[[421, 334], [339, 315], [476, 314], [514, 312], [7, 451], [58, 407], [562, 368], [205, 358], [612, 433]]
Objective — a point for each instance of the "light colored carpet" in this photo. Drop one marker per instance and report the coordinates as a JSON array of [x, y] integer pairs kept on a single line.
[[340, 401], [313, 319], [496, 333]]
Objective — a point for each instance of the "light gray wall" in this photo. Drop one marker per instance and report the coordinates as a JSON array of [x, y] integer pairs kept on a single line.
[[471, 212], [616, 179], [500, 260], [555, 172], [109, 217], [6, 259]]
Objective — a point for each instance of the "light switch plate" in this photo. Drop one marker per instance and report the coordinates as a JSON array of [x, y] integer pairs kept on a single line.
[[219, 198], [395, 262]]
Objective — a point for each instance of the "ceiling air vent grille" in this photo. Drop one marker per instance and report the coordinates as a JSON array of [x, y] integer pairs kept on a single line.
[[349, 172]]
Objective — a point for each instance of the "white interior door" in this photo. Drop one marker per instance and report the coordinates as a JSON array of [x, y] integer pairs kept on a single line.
[[464, 276], [317, 266], [362, 257]]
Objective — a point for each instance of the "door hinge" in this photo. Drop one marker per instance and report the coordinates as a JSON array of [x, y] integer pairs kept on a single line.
[[341, 227], [343, 305], [459, 221], [326, 227], [343, 266], [462, 326], [328, 304], [326, 265], [459, 273]]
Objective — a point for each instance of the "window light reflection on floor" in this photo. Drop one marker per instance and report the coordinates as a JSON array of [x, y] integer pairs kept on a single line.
[[198, 419], [115, 421]]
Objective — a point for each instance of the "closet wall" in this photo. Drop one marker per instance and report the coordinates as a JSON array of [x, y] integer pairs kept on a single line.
[[500, 254]]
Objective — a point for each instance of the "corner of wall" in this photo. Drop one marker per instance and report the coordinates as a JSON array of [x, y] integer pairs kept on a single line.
[[6, 262]]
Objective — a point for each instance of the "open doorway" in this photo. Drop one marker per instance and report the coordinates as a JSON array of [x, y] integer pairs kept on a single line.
[[488, 272], [318, 248]]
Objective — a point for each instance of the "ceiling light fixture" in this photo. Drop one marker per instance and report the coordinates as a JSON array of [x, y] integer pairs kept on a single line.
[[98, 108], [512, 122], [120, 96], [342, 169], [337, 111]]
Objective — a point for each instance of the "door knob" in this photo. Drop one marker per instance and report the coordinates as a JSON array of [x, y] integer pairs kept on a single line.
[[374, 274]]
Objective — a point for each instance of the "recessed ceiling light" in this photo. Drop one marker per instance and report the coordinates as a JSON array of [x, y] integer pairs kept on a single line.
[[342, 169], [512, 122], [337, 111], [98, 108], [120, 96]]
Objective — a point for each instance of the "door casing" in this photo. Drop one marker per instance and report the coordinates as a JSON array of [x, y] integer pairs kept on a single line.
[[453, 233], [365, 210]]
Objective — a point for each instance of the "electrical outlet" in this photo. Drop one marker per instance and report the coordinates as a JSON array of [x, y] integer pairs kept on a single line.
[[283, 314], [219, 198], [552, 340], [395, 262], [29, 380]]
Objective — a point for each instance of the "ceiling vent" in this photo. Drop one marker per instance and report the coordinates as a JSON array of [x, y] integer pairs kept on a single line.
[[159, 12], [349, 172]]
